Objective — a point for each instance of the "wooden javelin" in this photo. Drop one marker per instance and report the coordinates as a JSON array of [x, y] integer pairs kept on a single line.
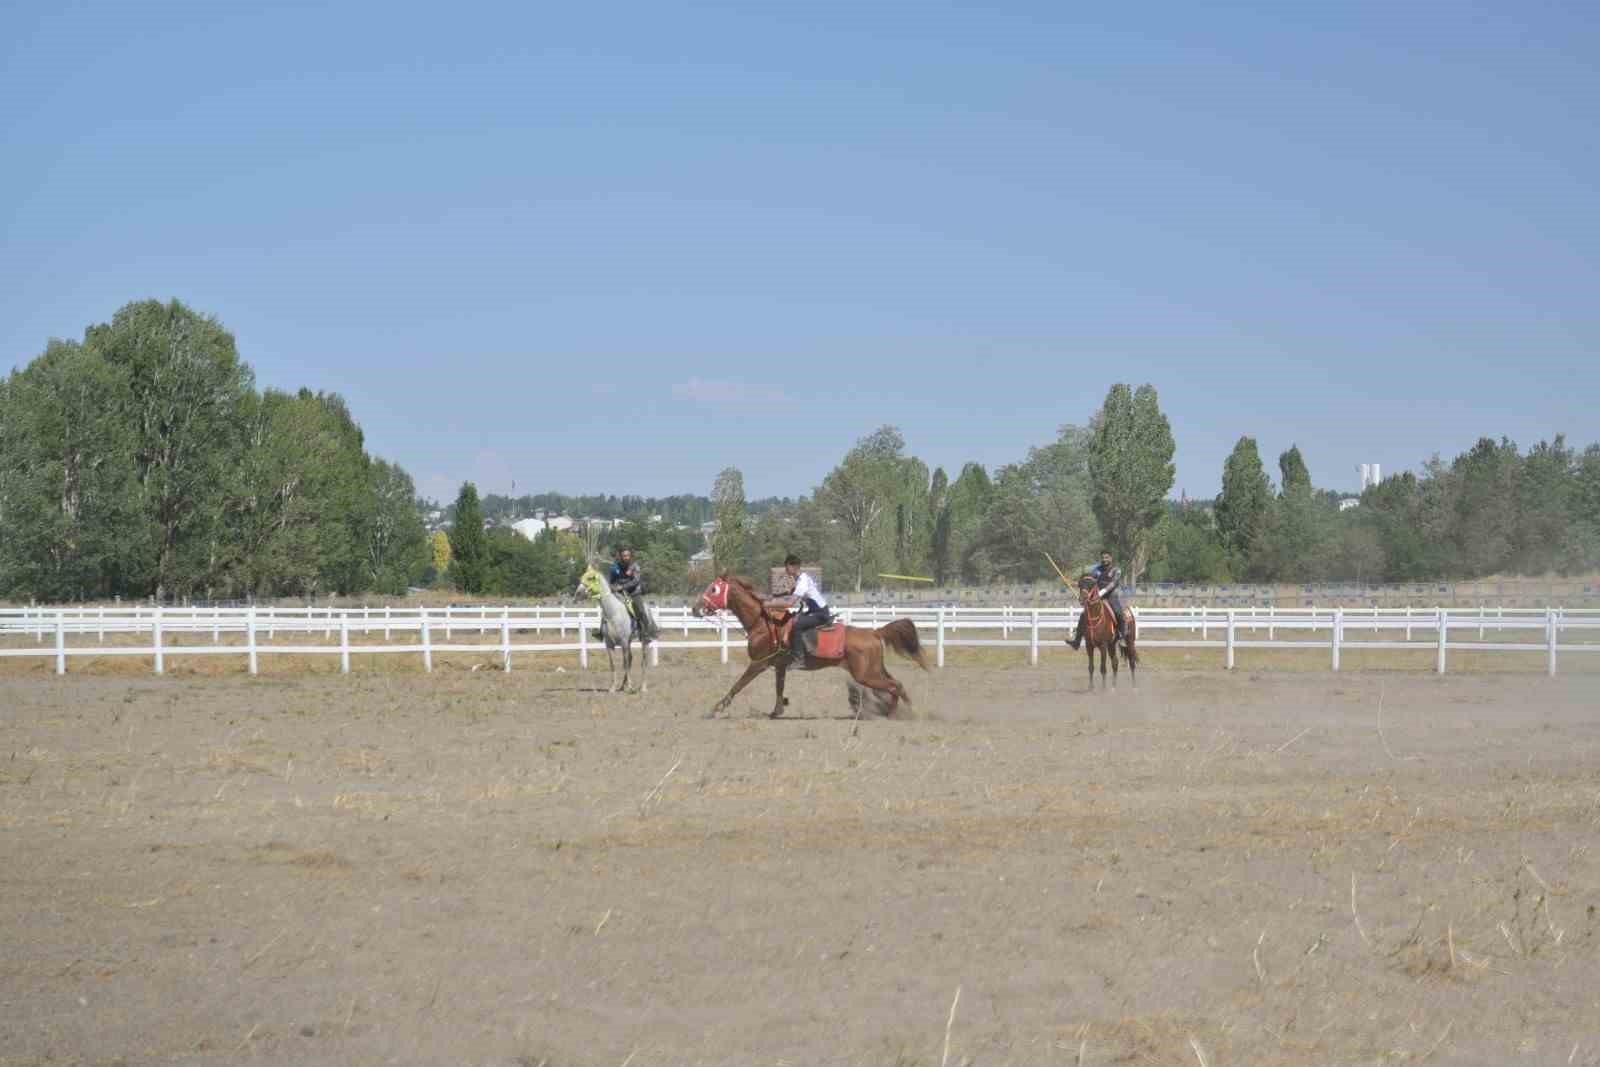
[[906, 577]]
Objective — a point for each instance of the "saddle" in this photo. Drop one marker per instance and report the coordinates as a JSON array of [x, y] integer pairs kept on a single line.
[[822, 642]]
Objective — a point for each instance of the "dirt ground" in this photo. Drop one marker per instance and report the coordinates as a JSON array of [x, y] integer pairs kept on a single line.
[[478, 868]]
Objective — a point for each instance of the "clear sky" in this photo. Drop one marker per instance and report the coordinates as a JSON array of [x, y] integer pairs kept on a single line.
[[619, 247]]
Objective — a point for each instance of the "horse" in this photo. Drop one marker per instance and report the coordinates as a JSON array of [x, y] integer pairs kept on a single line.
[[863, 648], [1100, 631], [618, 627]]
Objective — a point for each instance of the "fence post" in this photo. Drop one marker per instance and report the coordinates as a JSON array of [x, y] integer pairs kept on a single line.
[[386, 617], [1272, 631], [327, 623], [938, 656], [427, 643], [655, 653], [1228, 642], [448, 631], [583, 643], [1033, 640], [1205, 623], [1338, 634], [1480, 620], [61, 645], [722, 624], [1408, 622], [505, 641], [155, 630], [1444, 637], [250, 636], [1551, 632], [344, 644], [102, 626], [1005, 623]]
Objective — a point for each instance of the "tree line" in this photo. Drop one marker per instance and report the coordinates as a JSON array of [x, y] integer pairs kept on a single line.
[[143, 461], [1491, 510]]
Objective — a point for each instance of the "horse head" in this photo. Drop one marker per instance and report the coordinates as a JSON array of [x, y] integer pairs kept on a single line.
[[714, 598], [592, 583], [1086, 588]]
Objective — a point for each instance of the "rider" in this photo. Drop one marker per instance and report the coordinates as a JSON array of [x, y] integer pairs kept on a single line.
[[627, 580], [1107, 577], [806, 604]]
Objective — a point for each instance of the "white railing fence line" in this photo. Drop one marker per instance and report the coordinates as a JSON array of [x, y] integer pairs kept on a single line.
[[1329, 629]]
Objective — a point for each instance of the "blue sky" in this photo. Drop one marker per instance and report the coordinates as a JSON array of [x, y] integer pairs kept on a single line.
[[621, 247]]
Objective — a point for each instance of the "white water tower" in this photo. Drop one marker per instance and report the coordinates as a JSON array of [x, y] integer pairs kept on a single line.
[[1371, 474]]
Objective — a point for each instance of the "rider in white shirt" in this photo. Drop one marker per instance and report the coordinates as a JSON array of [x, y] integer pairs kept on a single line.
[[807, 604]]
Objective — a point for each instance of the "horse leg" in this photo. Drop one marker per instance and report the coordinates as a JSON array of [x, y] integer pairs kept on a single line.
[[644, 661], [1089, 651], [611, 661], [1113, 664], [744, 679], [627, 661], [777, 709], [1104, 651]]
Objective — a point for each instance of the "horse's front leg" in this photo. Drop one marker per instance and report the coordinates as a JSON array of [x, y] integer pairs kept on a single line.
[[782, 670], [745, 679], [1113, 664], [1090, 652], [611, 661], [644, 662]]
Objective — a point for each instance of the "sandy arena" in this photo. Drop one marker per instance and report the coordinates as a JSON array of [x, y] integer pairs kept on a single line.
[[478, 868]]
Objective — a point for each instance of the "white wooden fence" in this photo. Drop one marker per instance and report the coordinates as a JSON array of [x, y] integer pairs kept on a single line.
[[64, 632]]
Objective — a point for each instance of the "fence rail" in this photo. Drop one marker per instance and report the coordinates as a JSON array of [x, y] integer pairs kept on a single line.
[[1553, 632]]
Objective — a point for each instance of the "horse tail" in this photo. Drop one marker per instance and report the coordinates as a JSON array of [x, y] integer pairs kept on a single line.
[[901, 635], [1133, 640]]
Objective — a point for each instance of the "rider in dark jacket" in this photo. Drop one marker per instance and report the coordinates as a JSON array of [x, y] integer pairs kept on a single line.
[[1107, 577], [627, 580]]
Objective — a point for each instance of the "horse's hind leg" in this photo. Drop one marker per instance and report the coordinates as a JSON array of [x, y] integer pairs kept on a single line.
[[1113, 665], [1090, 651]]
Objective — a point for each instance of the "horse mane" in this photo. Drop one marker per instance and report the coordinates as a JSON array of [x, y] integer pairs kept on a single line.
[[742, 583]]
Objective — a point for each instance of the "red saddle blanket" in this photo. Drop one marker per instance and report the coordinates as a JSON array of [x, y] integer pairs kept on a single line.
[[827, 641], [830, 641]]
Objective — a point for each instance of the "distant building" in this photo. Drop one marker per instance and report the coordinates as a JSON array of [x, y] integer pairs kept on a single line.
[[1348, 503], [532, 528]]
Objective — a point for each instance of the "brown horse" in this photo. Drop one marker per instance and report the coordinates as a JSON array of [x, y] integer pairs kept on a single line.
[[863, 648], [1100, 631]]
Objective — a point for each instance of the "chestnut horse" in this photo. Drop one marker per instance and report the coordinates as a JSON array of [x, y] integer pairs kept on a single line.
[[1099, 631], [863, 648]]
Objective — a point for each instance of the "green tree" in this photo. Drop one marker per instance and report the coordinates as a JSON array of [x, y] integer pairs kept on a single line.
[[393, 539], [1043, 505], [1292, 468], [858, 492], [1485, 479], [71, 525], [1246, 495], [729, 544], [1131, 470], [1188, 547], [186, 383], [469, 553]]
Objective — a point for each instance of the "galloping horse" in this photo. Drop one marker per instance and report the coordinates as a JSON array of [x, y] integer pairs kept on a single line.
[[618, 627], [863, 648], [1099, 631]]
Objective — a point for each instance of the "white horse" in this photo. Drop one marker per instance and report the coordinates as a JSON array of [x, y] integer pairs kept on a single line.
[[617, 627]]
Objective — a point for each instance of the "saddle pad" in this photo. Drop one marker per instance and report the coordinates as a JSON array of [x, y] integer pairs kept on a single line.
[[830, 641]]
